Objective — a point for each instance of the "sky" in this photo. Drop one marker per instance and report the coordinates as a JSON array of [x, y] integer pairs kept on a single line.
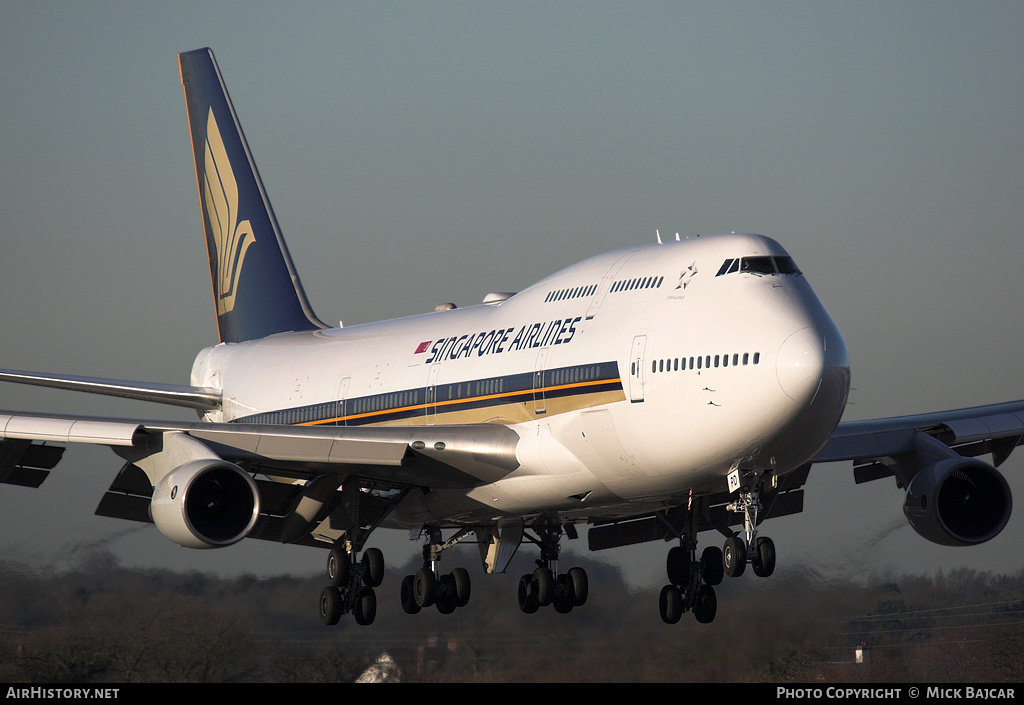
[[425, 152]]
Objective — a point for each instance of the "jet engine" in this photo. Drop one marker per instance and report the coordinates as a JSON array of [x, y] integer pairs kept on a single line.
[[205, 504], [958, 502]]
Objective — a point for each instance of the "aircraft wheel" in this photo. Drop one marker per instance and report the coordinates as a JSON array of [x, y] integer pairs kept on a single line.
[[670, 604], [408, 594], [677, 565], [734, 557], [373, 567], [527, 595], [446, 604], [462, 585], [424, 587], [711, 565], [564, 605], [544, 586], [765, 564], [337, 567], [365, 608], [580, 586], [706, 605], [330, 605]]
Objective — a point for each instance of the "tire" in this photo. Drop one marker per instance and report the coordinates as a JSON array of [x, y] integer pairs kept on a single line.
[[373, 567], [365, 608], [711, 565], [580, 586], [564, 605], [544, 586], [462, 584], [408, 595], [446, 604], [677, 565], [706, 605], [670, 604], [527, 595], [765, 564], [337, 567], [734, 557], [330, 605], [424, 587]]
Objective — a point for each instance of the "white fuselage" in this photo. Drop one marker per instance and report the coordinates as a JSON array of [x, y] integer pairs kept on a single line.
[[643, 373]]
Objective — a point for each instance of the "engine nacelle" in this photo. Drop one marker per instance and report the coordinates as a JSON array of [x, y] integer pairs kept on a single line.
[[958, 502], [205, 504]]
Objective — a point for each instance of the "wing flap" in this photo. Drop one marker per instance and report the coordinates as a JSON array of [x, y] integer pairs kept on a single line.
[[68, 430]]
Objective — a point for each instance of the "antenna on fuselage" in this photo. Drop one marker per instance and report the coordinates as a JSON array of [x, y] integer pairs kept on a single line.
[[659, 236]]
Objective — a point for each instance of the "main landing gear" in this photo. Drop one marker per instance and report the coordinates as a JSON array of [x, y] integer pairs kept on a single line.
[[351, 585], [429, 587], [691, 581], [545, 586]]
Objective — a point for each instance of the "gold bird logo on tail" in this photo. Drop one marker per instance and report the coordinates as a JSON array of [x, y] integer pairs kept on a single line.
[[231, 237]]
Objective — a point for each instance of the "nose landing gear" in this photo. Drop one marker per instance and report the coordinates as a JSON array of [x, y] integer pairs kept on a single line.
[[759, 551]]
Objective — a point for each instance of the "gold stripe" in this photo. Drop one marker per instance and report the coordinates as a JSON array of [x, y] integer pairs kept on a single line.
[[619, 395]]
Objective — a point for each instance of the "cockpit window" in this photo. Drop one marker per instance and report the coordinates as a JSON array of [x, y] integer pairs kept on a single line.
[[786, 265], [759, 265]]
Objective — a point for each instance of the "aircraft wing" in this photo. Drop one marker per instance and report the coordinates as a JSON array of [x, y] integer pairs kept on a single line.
[[423, 456], [297, 469], [201, 398], [885, 447]]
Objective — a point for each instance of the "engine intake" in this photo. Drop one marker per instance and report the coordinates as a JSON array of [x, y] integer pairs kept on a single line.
[[958, 502], [206, 504]]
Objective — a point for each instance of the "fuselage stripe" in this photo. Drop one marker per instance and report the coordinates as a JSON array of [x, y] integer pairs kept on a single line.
[[584, 384]]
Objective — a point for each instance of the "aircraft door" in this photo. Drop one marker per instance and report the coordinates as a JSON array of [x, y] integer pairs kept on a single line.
[[539, 406], [636, 369], [431, 394], [606, 284], [342, 410]]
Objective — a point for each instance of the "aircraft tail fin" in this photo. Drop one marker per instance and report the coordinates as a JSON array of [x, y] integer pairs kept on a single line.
[[255, 286]]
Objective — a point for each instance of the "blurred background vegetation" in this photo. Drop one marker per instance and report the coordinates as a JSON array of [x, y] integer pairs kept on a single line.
[[101, 623]]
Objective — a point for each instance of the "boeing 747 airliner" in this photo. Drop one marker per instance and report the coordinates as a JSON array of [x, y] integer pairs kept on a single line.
[[655, 393]]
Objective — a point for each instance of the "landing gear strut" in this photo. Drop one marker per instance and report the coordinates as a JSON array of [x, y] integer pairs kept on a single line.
[[545, 586]]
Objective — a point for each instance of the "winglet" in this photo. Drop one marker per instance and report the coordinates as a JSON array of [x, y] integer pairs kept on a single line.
[[255, 286]]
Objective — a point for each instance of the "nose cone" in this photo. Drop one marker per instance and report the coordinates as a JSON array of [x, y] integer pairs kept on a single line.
[[800, 364]]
